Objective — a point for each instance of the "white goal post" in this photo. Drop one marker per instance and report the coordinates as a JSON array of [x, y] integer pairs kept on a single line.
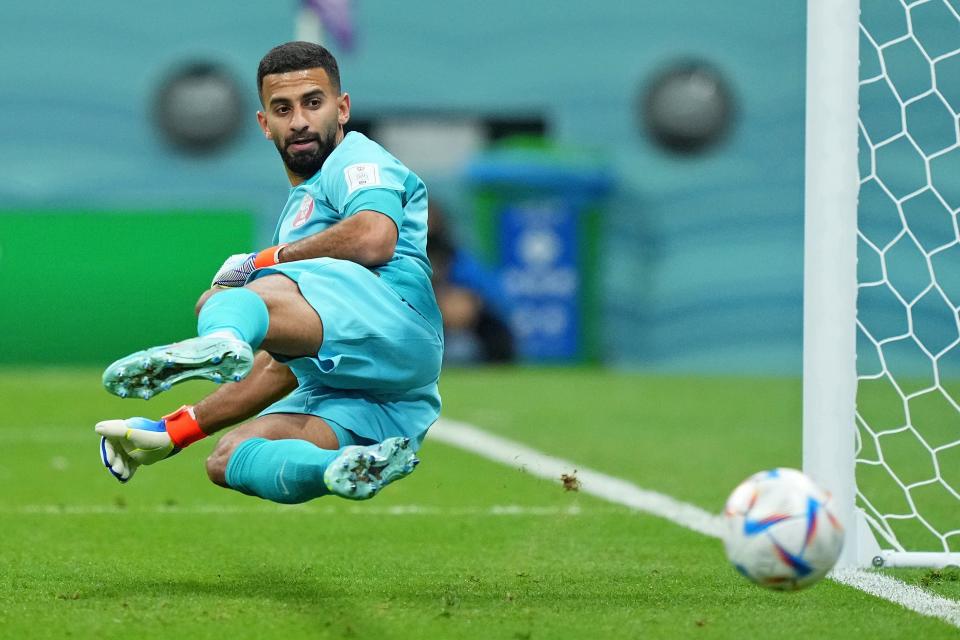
[[833, 430]]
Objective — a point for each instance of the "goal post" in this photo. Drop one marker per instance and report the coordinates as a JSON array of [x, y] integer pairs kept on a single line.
[[882, 156], [830, 257]]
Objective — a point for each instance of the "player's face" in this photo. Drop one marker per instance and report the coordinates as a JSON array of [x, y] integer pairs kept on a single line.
[[304, 116]]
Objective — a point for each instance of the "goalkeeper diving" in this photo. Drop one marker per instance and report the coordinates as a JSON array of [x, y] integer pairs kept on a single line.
[[329, 342]]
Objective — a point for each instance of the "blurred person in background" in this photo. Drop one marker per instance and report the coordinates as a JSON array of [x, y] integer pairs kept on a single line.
[[467, 293]]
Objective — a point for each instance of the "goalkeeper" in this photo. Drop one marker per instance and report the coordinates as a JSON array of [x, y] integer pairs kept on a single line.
[[344, 385]]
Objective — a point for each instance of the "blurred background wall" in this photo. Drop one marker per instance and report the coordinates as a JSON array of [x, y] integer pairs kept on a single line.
[[700, 255]]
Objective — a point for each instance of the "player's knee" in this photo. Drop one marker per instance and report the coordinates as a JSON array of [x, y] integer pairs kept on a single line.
[[274, 289], [203, 299], [217, 461]]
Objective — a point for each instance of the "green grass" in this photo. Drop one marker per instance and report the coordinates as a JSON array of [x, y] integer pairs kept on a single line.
[[172, 556]]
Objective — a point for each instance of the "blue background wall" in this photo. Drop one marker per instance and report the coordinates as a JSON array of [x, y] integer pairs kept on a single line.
[[78, 84], [702, 258]]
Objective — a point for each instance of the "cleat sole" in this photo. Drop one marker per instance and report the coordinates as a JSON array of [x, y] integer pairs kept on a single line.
[[146, 373], [359, 473]]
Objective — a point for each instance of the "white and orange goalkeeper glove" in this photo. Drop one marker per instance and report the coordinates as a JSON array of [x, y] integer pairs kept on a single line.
[[127, 444], [238, 267]]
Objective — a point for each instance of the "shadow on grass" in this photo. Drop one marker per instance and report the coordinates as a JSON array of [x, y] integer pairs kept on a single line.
[[304, 587]]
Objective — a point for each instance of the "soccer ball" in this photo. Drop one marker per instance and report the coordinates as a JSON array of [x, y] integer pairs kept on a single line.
[[781, 533]]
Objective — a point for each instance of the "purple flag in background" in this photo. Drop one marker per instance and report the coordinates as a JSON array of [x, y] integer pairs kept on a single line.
[[336, 16]]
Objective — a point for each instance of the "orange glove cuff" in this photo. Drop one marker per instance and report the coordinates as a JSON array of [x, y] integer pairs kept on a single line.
[[268, 257], [182, 427]]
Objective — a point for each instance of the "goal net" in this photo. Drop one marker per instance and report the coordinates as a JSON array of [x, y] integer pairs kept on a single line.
[[908, 331], [902, 490]]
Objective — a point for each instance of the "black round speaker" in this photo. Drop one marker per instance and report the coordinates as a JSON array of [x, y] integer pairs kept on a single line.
[[687, 107], [199, 108]]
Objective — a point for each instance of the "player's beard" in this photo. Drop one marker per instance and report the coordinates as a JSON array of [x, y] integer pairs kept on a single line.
[[307, 163]]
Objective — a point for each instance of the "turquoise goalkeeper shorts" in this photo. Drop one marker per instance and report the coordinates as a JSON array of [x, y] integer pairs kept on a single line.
[[376, 373]]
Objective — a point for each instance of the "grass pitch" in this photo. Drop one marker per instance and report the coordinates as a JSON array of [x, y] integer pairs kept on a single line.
[[464, 548]]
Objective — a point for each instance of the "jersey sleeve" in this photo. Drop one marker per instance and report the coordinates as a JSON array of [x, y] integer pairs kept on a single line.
[[365, 177]]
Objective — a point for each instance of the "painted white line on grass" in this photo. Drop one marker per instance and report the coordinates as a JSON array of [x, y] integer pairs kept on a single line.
[[906, 595], [619, 491], [46, 434], [592, 482], [311, 510]]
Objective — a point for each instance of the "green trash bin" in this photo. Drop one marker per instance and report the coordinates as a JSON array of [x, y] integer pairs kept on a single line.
[[538, 215]]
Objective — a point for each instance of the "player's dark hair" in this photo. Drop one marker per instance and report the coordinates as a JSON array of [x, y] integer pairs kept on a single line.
[[297, 56]]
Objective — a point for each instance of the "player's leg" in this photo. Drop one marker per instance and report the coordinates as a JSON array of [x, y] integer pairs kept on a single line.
[[291, 458], [275, 426], [269, 313], [290, 327], [282, 457]]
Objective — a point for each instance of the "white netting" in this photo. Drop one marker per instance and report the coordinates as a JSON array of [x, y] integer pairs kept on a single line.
[[908, 397]]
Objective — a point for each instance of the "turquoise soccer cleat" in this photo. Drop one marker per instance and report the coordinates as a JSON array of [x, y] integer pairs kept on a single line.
[[359, 473], [144, 374]]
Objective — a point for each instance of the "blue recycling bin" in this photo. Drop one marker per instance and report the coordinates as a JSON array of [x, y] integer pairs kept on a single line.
[[538, 214]]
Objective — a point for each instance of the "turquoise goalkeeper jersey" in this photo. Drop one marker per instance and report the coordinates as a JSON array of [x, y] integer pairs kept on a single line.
[[361, 175]]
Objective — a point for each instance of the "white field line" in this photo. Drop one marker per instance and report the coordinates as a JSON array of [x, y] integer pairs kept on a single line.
[[306, 509], [46, 435], [619, 491], [906, 595]]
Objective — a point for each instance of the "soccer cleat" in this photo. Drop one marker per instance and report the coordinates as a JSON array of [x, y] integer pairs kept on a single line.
[[359, 473], [144, 374]]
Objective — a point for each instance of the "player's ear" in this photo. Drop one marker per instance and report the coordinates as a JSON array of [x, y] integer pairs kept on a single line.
[[343, 108], [262, 121]]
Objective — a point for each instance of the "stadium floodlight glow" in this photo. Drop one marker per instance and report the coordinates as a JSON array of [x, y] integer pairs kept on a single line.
[[843, 438]]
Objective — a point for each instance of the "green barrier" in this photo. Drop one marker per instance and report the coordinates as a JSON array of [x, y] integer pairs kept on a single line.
[[89, 286]]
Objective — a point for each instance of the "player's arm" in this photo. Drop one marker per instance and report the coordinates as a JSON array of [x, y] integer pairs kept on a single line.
[[369, 199], [234, 402], [367, 237], [126, 444]]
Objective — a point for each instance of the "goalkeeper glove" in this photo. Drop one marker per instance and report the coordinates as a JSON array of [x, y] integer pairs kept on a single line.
[[127, 444], [238, 267]]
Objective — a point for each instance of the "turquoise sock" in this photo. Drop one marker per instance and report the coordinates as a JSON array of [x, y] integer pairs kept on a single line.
[[240, 311], [287, 471]]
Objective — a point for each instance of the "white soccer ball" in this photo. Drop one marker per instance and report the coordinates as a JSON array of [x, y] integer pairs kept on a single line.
[[781, 532]]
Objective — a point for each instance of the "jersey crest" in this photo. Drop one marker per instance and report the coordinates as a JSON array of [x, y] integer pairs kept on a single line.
[[304, 212]]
